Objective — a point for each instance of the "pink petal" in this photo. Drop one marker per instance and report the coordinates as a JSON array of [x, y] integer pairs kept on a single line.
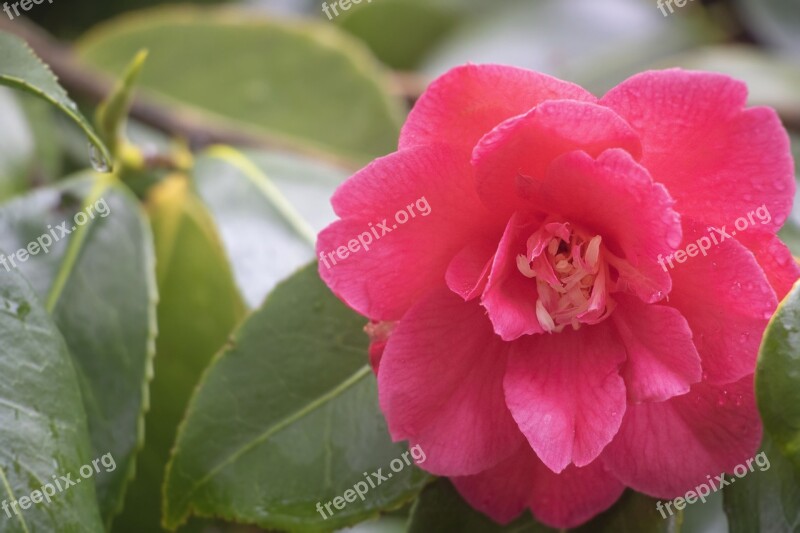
[[468, 272], [662, 359], [503, 491], [558, 500], [615, 197], [468, 101], [574, 496], [524, 147], [727, 302], [718, 160], [565, 392], [775, 259], [509, 297], [665, 449], [410, 260], [376, 354], [379, 333], [440, 384]]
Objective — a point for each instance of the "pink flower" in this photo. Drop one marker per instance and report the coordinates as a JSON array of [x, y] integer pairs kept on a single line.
[[532, 336]]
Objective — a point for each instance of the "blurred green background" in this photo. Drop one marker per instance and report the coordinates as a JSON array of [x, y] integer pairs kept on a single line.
[[280, 73]]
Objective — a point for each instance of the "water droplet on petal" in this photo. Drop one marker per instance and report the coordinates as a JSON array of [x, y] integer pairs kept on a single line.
[[722, 399], [674, 237]]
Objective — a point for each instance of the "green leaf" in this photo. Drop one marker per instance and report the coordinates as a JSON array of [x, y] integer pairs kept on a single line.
[[43, 429], [386, 25], [705, 517], [17, 146], [99, 284], [268, 208], [21, 69], [790, 233], [47, 161], [778, 378], [767, 499], [69, 19], [292, 407], [199, 307], [294, 83], [440, 508], [111, 114], [634, 513], [30, 153], [771, 81], [595, 44], [775, 22]]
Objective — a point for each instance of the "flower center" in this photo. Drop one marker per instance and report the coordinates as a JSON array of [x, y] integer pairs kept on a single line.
[[571, 274]]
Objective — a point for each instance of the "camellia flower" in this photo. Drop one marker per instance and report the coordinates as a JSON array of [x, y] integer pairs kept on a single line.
[[582, 309]]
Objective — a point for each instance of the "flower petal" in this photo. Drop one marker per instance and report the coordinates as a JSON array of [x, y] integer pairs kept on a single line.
[[468, 101], [523, 147], [615, 197], [727, 302], [441, 386], [509, 297], [503, 491], [404, 261], [718, 160], [558, 500], [565, 392], [775, 258], [662, 359], [379, 333], [665, 449], [574, 496], [468, 272]]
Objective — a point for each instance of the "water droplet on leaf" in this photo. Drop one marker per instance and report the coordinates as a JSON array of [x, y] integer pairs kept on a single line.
[[98, 161], [16, 309]]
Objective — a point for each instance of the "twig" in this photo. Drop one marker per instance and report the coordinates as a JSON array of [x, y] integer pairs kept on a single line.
[[198, 130]]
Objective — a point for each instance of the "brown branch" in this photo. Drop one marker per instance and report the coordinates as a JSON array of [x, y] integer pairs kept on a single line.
[[198, 130]]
